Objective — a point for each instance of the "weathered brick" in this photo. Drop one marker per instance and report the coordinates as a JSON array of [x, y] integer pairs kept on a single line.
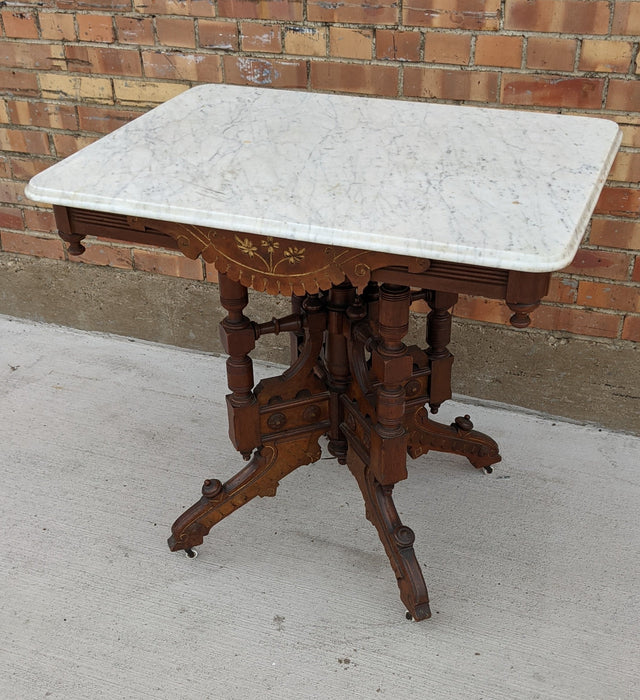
[[604, 55], [4, 113], [626, 18], [452, 14], [43, 114], [182, 66], [66, 144], [40, 220], [243, 70], [350, 43], [38, 246], [547, 53], [631, 328], [630, 126], [612, 233], [102, 60], [24, 169], [39, 56], [624, 95], [498, 51], [145, 92], [88, 5], [562, 289], [603, 295], [12, 192], [626, 167], [190, 8], [635, 277], [210, 273], [552, 91], [18, 82], [364, 79], [106, 255], [135, 30], [480, 309], [20, 24], [600, 263], [218, 35], [56, 26], [305, 41], [288, 10], [355, 12], [168, 264], [176, 32], [398, 45], [578, 321], [619, 201], [103, 120], [447, 48], [24, 141], [470, 86], [98, 28], [256, 36], [77, 88], [11, 217], [564, 16]]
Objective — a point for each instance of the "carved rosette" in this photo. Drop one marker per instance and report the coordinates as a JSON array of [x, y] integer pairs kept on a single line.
[[281, 266]]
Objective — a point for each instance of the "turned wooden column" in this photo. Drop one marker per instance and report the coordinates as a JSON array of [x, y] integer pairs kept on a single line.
[[391, 366], [238, 339], [438, 338]]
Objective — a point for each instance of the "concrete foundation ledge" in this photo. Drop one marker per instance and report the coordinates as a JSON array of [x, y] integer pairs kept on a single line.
[[585, 380]]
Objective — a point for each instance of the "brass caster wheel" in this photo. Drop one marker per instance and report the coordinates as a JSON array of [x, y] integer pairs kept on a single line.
[[191, 553]]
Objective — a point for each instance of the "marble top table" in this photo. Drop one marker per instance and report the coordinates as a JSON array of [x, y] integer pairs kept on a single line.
[[357, 207]]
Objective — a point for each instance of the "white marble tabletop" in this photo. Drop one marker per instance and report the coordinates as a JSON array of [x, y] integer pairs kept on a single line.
[[499, 188]]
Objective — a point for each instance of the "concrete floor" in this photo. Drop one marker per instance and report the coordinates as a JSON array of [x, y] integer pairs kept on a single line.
[[533, 571]]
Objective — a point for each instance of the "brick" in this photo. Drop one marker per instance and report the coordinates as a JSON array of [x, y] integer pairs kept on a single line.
[[218, 35], [24, 141], [38, 246], [135, 30], [546, 53], [40, 220], [305, 41], [20, 24], [619, 201], [43, 114], [104, 5], [447, 48], [190, 8], [11, 218], [350, 43], [243, 70], [624, 95], [450, 84], [103, 120], [364, 79], [635, 276], [354, 12], [563, 290], [600, 263], [5, 170], [255, 36], [552, 91], [176, 32], [578, 321], [4, 114], [182, 66], [631, 328], [77, 88], [56, 26], [626, 18], [210, 273], [146, 92], [17, 82], [601, 295], [66, 144], [39, 56], [452, 14], [498, 51], [105, 255], [99, 60], [626, 167], [480, 309], [564, 16], [168, 264], [97, 28], [397, 45], [24, 169], [605, 56], [612, 233], [12, 192], [288, 10], [630, 135]]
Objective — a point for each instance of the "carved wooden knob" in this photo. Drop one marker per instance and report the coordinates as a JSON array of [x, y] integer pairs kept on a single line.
[[464, 424], [276, 421], [211, 488]]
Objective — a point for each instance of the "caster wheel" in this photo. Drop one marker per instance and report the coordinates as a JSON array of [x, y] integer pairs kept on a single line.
[[408, 615], [191, 553]]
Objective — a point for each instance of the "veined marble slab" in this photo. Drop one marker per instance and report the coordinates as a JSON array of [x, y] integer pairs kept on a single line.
[[499, 188]]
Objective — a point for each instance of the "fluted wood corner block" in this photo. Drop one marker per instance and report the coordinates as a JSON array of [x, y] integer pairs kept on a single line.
[[388, 455]]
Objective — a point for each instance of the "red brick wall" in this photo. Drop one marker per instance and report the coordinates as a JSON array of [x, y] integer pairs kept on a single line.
[[72, 71]]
